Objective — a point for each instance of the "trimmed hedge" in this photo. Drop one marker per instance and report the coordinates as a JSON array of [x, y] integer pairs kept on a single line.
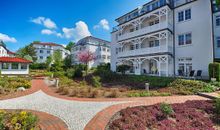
[[214, 71]]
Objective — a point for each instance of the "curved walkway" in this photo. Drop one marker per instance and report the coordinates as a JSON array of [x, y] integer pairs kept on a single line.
[[79, 113]]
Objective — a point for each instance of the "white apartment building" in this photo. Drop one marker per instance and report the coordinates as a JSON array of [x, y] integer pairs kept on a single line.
[[100, 48], [216, 30], [165, 36], [44, 50]]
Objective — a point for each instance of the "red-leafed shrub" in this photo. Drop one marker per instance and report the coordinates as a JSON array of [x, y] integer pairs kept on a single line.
[[191, 115]]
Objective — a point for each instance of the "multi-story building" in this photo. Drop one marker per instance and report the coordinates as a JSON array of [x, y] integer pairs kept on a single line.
[[216, 30], [44, 50], [163, 37], [100, 48]]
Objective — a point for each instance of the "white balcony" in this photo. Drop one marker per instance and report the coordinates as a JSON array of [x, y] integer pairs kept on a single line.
[[145, 30], [145, 51]]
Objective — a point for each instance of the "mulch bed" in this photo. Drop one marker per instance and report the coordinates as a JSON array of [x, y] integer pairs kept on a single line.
[[191, 115]]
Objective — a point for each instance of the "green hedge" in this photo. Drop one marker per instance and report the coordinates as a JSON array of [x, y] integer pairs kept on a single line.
[[214, 71]]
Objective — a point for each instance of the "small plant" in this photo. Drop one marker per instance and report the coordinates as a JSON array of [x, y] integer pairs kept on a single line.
[[166, 109], [96, 81], [17, 120], [217, 106], [114, 93]]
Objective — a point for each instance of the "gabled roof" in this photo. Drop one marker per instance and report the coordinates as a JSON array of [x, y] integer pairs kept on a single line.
[[14, 60], [47, 43], [4, 46]]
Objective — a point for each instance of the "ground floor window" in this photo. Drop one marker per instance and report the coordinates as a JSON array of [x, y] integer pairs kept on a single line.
[[5, 65], [23, 66], [14, 66], [184, 66]]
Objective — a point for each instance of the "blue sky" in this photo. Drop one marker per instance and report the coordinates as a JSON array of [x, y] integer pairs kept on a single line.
[[59, 21]]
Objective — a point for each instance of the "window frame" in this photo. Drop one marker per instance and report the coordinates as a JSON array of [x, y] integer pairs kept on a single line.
[[26, 66], [8, 65], [218, 42], [217, 21], [12, 66]]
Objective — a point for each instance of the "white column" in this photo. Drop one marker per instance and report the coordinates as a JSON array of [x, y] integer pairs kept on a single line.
[[159, 69], [167, 66]]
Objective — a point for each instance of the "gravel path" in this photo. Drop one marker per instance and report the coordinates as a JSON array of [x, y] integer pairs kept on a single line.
[[75, 114]]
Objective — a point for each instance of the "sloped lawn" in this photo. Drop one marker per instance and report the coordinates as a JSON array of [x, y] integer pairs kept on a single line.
[[191, 115]]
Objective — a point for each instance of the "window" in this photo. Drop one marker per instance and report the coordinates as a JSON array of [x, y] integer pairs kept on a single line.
[[14, 66], [156, 42], [136, 46], [104, 49], [5, 65], [188, 38], [48, 52], [181, 39], [181, 16], [103, 56], [108, 50], [184, 15], [109, 57], [218, 41], [185, 39], [151, 43], [41, 51], [187, 14], [23, 66], [217, 20], [185, 64], [41, 57], [116, 51], [131, 47]]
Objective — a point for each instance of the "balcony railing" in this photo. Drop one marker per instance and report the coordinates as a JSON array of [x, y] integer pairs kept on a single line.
[[145, 51], [145, 30]]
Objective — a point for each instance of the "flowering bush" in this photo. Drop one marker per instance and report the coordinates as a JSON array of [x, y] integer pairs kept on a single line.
[[17, 120], [191, 115]]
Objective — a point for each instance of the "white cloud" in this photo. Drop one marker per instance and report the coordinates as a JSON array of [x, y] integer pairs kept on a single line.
[[51, 32], [80, 31], [47, 32], [102, 24], [47, 22], [7, 38]]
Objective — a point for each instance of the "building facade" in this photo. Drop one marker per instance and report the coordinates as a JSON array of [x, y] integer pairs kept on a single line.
[[44, 50], [100, 48], [216, 30], [10, 64], [4, 52], [163, 37]]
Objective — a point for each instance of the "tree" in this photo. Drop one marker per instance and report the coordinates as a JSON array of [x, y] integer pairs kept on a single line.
[[218, 2], [49, 62], [67, 62], [85, 57], [57, 61], [69, 46], [28, 57], [123, 68], [27, 50]]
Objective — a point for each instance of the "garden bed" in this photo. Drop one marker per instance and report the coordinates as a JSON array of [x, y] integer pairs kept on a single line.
[[82, 89], [191, 115], [18, 120], [10, 85]]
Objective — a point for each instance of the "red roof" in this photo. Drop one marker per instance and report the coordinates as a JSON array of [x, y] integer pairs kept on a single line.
[[48, 43], [14, 60]]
